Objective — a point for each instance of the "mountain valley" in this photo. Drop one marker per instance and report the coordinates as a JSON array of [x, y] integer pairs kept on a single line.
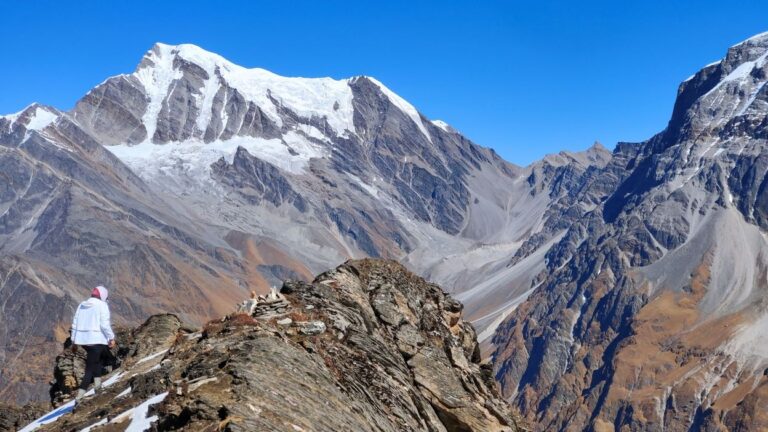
[[607, 290]]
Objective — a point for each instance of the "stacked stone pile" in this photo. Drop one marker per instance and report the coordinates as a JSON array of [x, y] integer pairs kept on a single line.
[[271, 308], [272, 305]]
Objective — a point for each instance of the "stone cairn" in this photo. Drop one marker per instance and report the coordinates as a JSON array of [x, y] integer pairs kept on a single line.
[[275, 305], [272, 305]]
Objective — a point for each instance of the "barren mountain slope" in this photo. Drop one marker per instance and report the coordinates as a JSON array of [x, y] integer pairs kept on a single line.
[[652, 312]]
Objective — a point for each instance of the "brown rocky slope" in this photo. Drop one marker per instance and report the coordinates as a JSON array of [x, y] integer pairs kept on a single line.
[[652, 313], [367, 346]]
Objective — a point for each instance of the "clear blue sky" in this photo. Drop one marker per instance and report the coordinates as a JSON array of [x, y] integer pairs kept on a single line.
[[524, 77]]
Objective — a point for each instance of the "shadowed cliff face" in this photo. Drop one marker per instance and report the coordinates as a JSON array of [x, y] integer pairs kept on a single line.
[[651, 313], [386, 351]]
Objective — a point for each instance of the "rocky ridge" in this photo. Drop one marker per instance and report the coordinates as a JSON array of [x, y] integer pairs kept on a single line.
[[396, 356]]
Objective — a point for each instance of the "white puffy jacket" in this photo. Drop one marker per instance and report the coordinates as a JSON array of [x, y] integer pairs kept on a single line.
[[91, 324]]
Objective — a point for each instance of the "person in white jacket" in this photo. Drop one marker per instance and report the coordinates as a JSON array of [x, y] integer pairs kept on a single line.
[[92, 329]]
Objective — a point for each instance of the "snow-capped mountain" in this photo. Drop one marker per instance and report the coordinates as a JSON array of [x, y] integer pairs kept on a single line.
[[192, 180], [652, 314]]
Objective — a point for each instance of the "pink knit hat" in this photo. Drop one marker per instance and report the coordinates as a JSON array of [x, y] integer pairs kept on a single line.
[[100, 292]]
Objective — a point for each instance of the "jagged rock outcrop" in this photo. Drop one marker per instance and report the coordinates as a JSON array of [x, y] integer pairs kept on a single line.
[[396, 356], [651, 312]]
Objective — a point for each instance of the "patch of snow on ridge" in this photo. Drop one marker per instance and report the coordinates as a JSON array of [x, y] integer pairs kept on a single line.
[[125, 392], [113, 379], [152, 356], [368, 188], [751, 99], [49, 417], [156, 81], [403, 105], [138, 416], [442, 125], [739, 75], [712, 64], [34, 117], [41, 119], [743, 70], [210, 88], [308, 97], [193, 159], [311, 132]]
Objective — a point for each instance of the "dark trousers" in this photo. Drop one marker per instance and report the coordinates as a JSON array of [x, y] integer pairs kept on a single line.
[[94, 363]]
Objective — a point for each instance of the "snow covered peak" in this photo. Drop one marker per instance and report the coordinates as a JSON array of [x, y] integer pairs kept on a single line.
[[323, 100], [320, 98], [33, 117], [731, 88], [744, 57], [739, 59], [40, 118], [186, 107], [189, 52]]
